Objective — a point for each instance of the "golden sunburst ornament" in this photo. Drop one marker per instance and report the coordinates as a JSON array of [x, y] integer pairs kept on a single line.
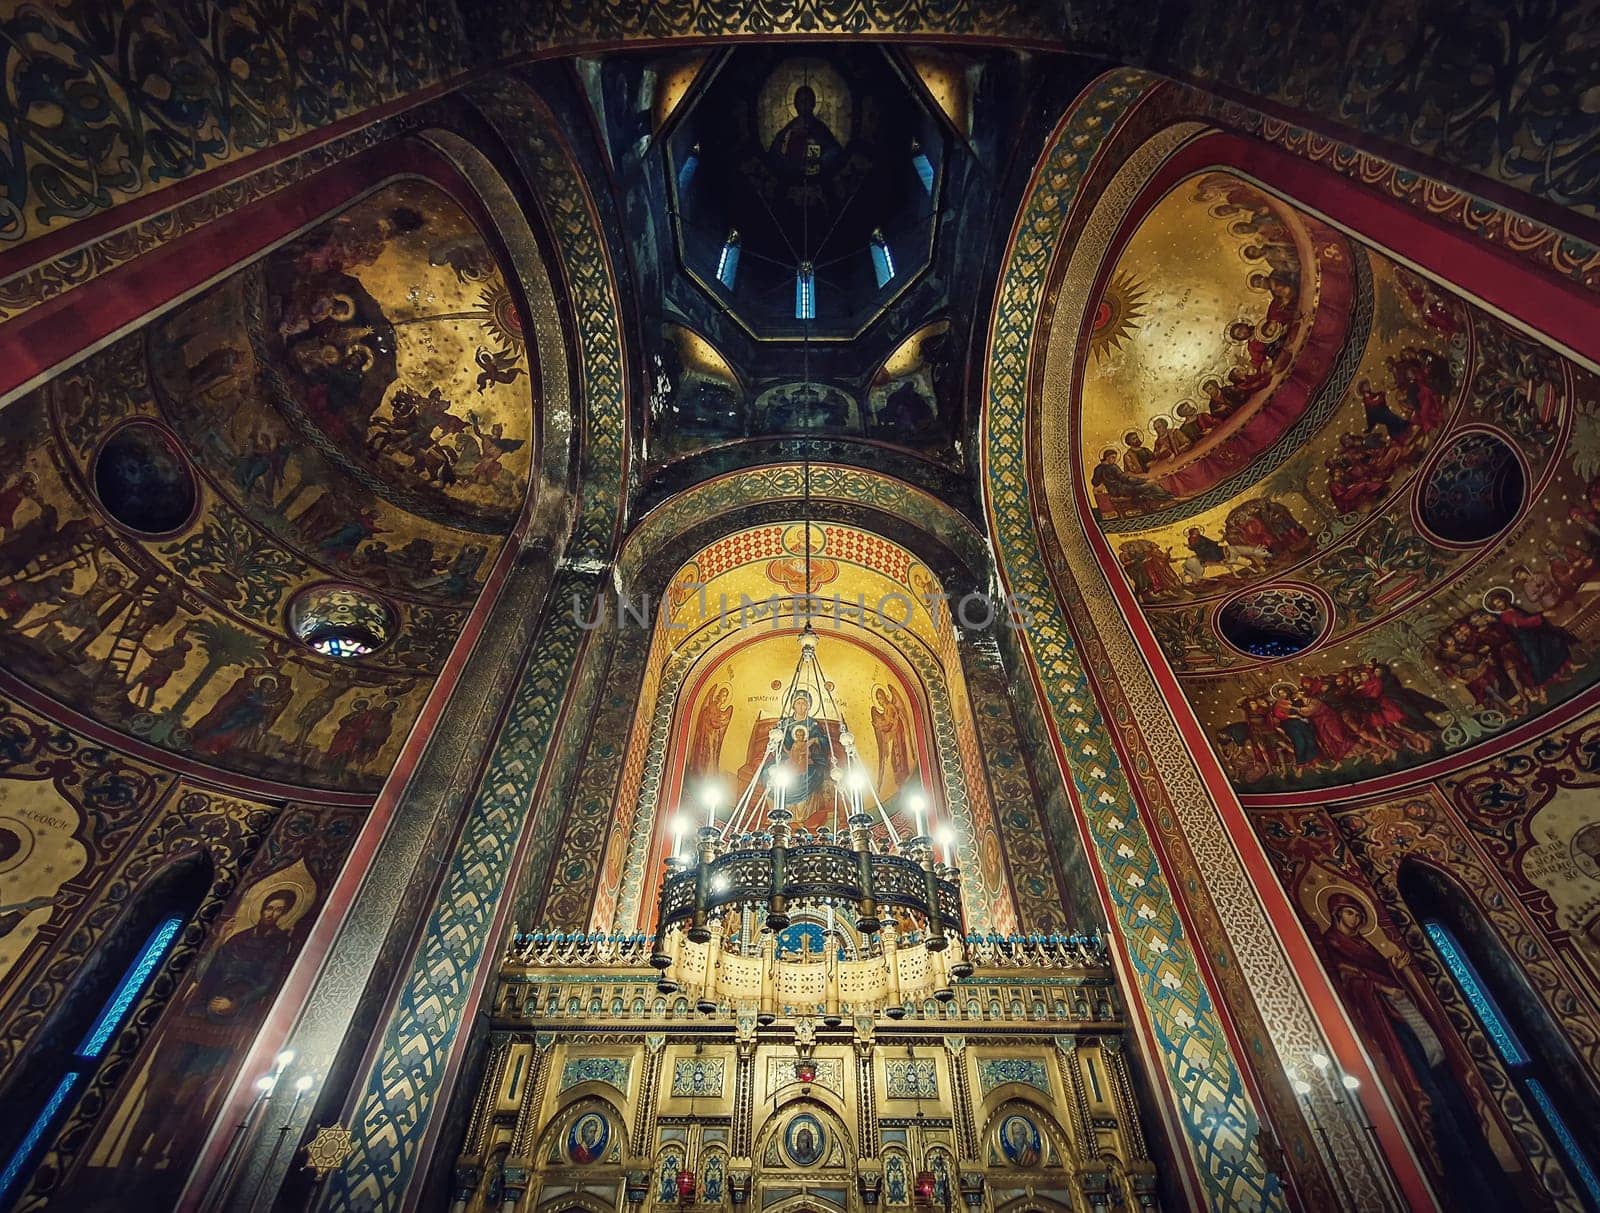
[[1117, 314]]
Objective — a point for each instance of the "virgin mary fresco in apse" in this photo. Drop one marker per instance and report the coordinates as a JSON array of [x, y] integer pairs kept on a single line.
[[803, 761]]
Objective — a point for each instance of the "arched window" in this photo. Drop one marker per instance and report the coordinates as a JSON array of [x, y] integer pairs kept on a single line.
[[1534, 1052], [73, 1043]]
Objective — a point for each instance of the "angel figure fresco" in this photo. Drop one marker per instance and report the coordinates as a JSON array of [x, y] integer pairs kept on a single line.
[[891, 725], [710, 728], [1419, 1058]]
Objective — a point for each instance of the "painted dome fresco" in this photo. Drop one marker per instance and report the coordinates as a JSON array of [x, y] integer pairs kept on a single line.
[[1275, 416], [297, 482], [1209, 344]]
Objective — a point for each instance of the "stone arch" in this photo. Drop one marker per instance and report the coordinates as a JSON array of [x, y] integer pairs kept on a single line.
[[1155, 767]]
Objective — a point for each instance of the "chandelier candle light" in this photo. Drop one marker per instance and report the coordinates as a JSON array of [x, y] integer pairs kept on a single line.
[[860, 869]]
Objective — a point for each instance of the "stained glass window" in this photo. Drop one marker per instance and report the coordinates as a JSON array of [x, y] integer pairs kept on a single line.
[[1483, 1006], [728, 262], [1563, 1135], [687, 168], [882, 259], [128, 989], [1518, 1061], [805, 292], [84, 1059], [924, 166], [341, 621]]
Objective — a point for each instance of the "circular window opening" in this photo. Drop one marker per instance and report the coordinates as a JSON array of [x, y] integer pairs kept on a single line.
[[1475, 489], [143, 480], [341, 620], [1278, 621]]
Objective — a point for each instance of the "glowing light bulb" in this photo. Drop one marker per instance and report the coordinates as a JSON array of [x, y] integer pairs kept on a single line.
[[285, 1058], [1320, 1060], [720, 883], [946, 838], [266, 1082], [303, 1083], [1301, 1087], [779, 777], [710, 795], [1351, 1082]]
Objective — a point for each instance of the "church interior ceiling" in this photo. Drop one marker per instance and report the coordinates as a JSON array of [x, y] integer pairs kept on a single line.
[[1360, 511], [883, 171], [249, 532], [1379, 553]]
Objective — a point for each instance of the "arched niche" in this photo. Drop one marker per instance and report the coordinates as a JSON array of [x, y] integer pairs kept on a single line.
[[716, 620], [1021, 1136], [588, 1135], [803, 1137]]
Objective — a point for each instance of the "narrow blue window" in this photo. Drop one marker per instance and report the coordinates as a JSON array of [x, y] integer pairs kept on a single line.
[[687, 168], [36, 1132], [129, 988], [882, 259], [1483, 1005], [924, 166], [87, 1056], [1563, 1135], [728, 262], [1518, 1061], [805, 292]]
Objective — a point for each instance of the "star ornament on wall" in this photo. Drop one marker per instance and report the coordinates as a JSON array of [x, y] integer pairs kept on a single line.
[[328, 1149]]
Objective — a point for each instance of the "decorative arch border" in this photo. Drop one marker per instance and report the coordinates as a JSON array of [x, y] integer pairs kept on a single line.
[[944, 540], [1169, 982], [825, 1106], [578, 1102], [947, 543], [1194, 1048]]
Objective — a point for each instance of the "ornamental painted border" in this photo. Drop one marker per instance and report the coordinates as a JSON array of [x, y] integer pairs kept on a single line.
[[1194, 1054], [405, 1082]]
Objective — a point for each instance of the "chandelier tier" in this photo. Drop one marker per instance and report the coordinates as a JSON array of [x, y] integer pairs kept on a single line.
[[757, 862]]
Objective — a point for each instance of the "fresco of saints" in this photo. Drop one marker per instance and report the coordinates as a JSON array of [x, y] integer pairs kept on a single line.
[[217, 1019], [243, 714], [710, 727], [1394, 1015], [891, 725]]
